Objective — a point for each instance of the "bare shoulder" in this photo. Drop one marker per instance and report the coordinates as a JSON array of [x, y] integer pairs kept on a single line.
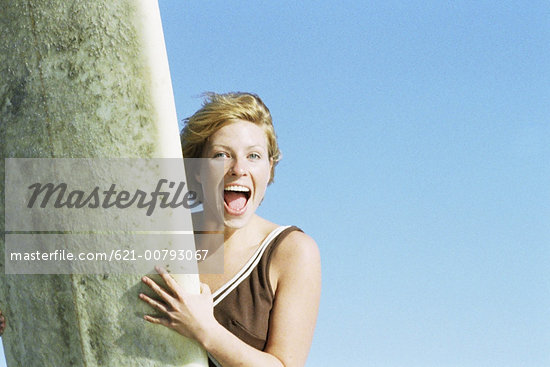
[[297, 257], [299, 246], [296, 283]]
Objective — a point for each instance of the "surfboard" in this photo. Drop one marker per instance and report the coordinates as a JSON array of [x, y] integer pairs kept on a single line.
[[86, 79]]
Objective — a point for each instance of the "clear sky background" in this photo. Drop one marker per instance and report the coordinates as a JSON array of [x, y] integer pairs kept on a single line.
[[416, 144]]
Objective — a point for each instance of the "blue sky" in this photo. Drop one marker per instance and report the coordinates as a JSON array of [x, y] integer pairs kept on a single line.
[[416, 144], [416, 151]]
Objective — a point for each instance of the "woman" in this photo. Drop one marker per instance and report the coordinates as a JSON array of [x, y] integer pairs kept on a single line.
[[265, 317], [2, 323]]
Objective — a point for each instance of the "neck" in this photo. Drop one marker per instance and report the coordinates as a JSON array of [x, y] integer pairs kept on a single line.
[[232, 235]]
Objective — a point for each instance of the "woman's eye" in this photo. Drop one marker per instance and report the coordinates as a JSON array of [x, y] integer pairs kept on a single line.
[[254, 156], [221, 155]]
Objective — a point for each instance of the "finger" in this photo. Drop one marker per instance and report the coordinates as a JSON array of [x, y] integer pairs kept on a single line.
[[168, 279], [153, 303], [156, 320], [158, 290], [173, 285], [205, 289]]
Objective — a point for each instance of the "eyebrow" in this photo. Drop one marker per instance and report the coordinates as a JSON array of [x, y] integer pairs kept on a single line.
[[227, 147]]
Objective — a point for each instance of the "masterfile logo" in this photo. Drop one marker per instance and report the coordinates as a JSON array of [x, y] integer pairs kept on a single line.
[[105, 199], [112, 215]]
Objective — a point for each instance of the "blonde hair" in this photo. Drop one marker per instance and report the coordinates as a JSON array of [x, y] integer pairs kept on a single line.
[[219, 110]]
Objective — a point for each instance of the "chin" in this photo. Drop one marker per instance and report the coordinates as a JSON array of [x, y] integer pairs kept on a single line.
[[231, 222], [239, 221]]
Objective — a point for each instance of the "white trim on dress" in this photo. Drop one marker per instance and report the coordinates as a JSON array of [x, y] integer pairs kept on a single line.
[[243, 273]]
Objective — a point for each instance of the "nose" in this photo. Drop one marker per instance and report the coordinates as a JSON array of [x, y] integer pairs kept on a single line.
[[238, 167]]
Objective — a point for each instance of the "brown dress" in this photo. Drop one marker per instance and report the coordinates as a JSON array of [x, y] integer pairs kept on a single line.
[[243, 304]]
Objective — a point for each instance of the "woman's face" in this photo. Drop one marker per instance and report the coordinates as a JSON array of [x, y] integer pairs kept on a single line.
[[242, 148]]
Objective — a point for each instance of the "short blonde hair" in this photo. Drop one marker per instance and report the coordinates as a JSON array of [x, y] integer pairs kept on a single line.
[[219, 110]]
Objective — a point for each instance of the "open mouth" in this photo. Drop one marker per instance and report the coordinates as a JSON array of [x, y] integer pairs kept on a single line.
[[235, 198]]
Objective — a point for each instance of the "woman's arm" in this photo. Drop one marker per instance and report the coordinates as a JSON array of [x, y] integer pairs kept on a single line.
[[296, 280], [295, 275]]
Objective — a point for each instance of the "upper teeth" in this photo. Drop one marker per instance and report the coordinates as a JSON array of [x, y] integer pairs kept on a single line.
[[237, 188]]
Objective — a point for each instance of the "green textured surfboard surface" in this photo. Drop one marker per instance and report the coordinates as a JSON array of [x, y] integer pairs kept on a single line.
[[79, 79]]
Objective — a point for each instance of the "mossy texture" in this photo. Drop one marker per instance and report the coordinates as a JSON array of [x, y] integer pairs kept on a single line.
[[75, 83]]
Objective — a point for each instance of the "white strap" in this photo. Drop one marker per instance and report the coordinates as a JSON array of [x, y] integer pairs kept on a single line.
[[216, 363], [245, 271]]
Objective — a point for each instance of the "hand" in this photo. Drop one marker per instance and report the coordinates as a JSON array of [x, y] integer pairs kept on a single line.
[[191, 315], [2, 323]]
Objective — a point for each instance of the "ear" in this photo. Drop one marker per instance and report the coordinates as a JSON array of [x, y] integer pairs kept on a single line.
[[270, 171]]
